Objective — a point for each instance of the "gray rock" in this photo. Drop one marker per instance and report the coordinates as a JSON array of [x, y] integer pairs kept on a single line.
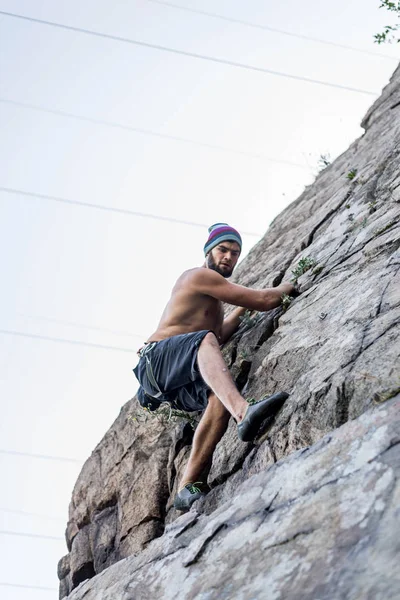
[[322, 523]]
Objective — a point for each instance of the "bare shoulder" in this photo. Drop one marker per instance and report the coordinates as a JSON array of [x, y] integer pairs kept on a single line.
[[188, 278], [200, 276]]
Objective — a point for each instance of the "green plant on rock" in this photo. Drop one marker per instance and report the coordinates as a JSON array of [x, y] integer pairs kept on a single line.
[[138, 418], [251, 401], [372, 206], [388, 34], [385, 228], [243, 355], [286, 301], [249, 319], [165, 414], [351, 174], [303, 265]]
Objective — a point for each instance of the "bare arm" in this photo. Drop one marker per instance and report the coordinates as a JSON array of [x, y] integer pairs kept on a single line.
[[212, 284]]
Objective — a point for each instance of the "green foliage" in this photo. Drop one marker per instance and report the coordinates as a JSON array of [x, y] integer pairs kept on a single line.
[[388, 34], [286, 301], [351, 174], [372, 206], [385, 228], [393, 6], [165, 414], [243, 355], [251, 401], [303, 265], [249, 319]]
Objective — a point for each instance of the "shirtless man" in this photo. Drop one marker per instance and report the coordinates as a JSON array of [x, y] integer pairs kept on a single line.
[[181, 363]]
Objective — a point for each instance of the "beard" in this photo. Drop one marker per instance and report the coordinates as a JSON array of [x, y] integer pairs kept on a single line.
[[211, 264]]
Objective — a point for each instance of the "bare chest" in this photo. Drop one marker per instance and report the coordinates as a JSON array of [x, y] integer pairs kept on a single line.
[[213, 314]]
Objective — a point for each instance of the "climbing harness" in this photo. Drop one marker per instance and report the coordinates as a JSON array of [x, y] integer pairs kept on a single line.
[[143, 352]]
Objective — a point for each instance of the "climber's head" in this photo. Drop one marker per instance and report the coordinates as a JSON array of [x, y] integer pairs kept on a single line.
[[222, 249]]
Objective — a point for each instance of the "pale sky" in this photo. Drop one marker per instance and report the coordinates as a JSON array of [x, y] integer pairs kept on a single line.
[[99, 277]]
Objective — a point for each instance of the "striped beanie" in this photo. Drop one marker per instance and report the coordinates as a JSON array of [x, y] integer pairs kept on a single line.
[[221, 232]]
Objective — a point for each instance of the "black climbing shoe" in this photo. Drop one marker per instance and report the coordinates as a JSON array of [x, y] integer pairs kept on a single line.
[[256, 413], [187, 495]]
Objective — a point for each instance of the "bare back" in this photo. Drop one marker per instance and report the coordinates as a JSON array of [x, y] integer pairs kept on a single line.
[[189, 310]]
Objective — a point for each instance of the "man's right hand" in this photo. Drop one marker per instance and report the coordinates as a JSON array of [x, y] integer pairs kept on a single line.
[[289, 289]]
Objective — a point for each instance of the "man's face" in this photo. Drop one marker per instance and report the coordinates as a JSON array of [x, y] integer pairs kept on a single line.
[[223, 258]]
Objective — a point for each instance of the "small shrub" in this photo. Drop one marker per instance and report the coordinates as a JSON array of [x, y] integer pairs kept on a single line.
[[351, 174], [243, 355], [165, 414], [388, 34], [249, 319], [286, 301], [303, 265], [251, 401]]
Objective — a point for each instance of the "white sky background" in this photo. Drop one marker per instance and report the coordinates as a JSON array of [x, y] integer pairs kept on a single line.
[[99, 277]]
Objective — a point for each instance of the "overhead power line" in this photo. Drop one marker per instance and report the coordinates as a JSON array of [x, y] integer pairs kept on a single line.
[[82, 326], [28, 587], [41, 456], [63, 341], [273, 29], [213, 59], [23, 513], [33, 535], [61, 113], [124, 211]]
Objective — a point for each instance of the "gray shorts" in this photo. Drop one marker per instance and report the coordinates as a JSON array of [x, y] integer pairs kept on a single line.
[[167, 372]]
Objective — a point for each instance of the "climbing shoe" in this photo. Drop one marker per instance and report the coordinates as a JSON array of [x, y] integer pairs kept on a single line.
[[187, 495], [256, 413]]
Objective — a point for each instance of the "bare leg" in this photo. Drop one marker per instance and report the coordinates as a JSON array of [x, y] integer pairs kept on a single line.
[[210, 430], [215, 373]]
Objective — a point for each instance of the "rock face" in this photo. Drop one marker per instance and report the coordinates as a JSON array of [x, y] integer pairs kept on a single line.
[[322, 523], [302, 508]]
